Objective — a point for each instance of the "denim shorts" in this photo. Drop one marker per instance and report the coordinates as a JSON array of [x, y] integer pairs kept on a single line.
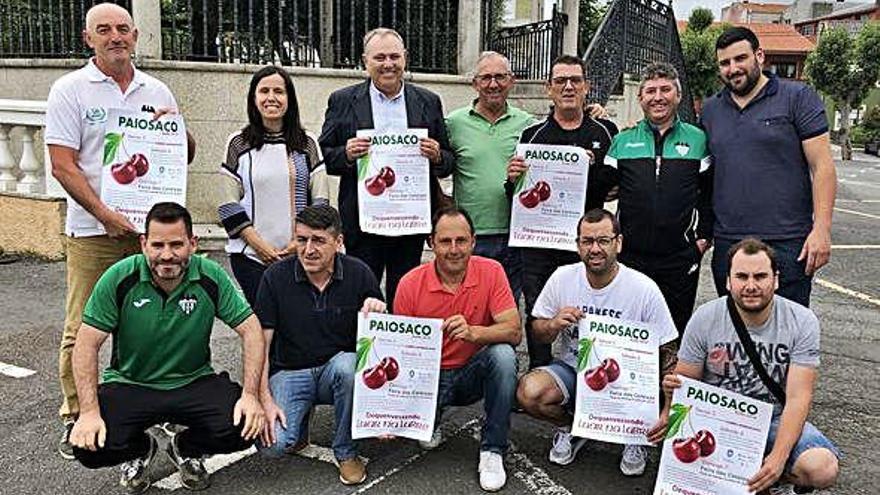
[[811, 438], [566, 380]]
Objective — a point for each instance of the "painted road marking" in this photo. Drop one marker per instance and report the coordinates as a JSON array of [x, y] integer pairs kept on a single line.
[[212, 464], [15, 371], [536, 479], [859, 213], [413, 458], [848, 292], [218, 462], [858, 183]]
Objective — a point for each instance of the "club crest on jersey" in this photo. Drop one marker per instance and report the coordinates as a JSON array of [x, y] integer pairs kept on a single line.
[[188, 303], [682, 148]]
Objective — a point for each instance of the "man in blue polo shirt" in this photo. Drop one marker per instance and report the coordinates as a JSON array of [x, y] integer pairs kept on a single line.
[[308, 306], [774, 175]]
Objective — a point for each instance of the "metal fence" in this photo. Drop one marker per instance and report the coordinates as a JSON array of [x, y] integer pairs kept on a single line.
[[633, 34], [45, 28], [531, 47], [309, 33]]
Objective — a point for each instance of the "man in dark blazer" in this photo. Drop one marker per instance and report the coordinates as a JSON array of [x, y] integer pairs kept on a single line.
[[382, 102]]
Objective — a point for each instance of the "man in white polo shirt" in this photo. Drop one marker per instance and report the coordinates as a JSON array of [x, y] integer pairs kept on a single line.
[[76, 115]]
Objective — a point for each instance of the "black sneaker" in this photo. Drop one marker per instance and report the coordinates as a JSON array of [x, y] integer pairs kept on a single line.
[[193, 475], [135, 473], [65, 448]]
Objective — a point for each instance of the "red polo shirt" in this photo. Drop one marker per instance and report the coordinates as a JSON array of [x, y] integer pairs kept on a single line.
[[484, 292]]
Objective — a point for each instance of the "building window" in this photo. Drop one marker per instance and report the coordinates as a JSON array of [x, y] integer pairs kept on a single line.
[[784, 70]]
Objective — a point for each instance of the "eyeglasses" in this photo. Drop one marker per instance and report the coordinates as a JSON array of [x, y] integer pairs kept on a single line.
[[602, 241], [561, 81], [486, 79]]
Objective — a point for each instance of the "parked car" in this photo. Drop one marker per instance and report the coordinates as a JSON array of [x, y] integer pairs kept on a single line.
[[873, 147]]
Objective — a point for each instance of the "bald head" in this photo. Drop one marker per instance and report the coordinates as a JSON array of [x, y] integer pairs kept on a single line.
[[102, 11]]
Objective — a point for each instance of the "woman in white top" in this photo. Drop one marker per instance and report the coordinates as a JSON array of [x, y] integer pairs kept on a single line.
[[273, 169]]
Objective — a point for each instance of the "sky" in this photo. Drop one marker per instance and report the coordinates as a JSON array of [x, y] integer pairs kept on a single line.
[[683, 7]]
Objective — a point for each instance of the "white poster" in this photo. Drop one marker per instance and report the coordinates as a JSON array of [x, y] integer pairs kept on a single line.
[[549, 197], [144, 163], [394, 189], [715, 442], [397, 375], [618, 385]]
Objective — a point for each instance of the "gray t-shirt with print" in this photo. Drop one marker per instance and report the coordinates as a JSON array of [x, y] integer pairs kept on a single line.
[[790, 335]]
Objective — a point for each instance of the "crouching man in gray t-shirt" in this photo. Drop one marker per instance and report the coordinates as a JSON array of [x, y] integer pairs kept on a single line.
[[786, 336]]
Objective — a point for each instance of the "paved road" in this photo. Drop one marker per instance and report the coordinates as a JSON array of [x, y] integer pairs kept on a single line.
[[846, 298]]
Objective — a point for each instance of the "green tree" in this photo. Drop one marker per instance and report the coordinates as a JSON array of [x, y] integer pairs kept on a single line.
[[590, 15], [845, 69], [698, 49], [700, 20]]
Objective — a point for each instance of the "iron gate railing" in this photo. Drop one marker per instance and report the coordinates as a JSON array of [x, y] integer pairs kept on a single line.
[[308, 33], [633, 34], [531, 47], [45, 28]]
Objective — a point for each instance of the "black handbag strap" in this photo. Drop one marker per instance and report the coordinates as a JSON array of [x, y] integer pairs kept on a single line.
[[749, 346]]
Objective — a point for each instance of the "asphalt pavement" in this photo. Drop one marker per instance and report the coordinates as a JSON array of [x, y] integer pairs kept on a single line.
[[846, 297]]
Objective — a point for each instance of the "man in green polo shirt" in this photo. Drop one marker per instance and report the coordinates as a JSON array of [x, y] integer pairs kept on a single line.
[[159, 306], [484, 136]]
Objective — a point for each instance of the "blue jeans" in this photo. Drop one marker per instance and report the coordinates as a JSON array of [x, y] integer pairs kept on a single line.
[[296, 390], [495, 246], [794, 284], [810, 438], [489, 375]]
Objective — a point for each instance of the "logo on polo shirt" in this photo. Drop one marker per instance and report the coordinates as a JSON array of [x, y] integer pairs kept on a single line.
[[596, 145], [96, 115], [682, 148], [188, 303], [141, 302]]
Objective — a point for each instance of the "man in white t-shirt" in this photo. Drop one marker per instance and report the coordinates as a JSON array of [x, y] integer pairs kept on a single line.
[[599, 285], [78, 106]]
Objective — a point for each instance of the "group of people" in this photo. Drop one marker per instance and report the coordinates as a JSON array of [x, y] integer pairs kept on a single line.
[[756, 180]]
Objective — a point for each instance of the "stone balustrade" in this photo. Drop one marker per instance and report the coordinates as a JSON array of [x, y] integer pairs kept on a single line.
[[23, 159]]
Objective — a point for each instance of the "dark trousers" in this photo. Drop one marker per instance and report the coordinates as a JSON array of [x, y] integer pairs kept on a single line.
[[248, 274], [538, 265], [794, 283], [204, 406], [393, 256], [495, 246], [677, 275]]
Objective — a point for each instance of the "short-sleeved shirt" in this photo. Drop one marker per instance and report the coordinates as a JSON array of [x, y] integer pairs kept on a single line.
[[482, 151], [762, 183], [76, 115], [311, 326], [630, 296], [162, 341], [483, 294], [789, 336]]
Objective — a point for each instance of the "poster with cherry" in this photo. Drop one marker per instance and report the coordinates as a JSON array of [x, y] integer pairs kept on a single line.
[[396, 376], [144, 163], [618, 380], [715, 441], [393, 184], [549, 196]]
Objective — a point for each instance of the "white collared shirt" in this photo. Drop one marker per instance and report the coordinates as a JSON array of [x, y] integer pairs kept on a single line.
[[388, 113], [76, 115]]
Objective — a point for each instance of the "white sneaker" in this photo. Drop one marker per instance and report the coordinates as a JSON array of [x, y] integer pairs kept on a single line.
[[491, 469], [434, 442], [633, 460], [565, 447]]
